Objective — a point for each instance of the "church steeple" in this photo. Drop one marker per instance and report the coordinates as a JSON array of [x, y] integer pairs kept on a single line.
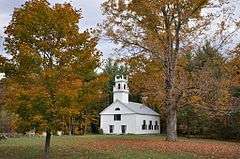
[[120, 89]]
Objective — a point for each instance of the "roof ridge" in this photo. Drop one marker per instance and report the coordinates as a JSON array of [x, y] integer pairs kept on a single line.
[[126, 106], [134, 107], [141, 107], [120, 103]]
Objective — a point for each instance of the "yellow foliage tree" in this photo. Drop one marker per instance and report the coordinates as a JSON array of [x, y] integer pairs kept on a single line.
[[50, 61]]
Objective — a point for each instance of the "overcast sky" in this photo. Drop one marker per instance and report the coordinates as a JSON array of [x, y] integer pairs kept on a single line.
[[91, 16]]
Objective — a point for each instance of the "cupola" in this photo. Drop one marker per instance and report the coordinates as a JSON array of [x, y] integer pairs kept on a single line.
[[120, 89]]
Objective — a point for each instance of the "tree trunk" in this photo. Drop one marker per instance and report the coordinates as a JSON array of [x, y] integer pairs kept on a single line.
[[171, 119], [170, 100], [69, 127], [47, 145]]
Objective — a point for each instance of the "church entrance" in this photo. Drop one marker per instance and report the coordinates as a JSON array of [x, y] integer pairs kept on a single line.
[[124, 128]]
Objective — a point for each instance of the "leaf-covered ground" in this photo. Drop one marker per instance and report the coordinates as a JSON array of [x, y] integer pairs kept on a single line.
[[119, 147]]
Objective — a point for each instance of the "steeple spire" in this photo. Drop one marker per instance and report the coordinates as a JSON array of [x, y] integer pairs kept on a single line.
[[120, 89]]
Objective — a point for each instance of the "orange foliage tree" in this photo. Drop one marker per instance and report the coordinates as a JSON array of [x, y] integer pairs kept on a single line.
[[50, 62], [158, 30]]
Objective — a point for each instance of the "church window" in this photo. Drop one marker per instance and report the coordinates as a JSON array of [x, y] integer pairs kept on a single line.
[[117, 117], [144, 125], [156, 126], [119, 86], [124, 86], [117, 108], [150, 126]]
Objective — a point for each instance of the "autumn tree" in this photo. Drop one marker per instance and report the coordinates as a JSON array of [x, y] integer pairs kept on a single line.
[[203, 82], [157, 29], [234, 69], [2, 62], [50, 61], [233, 66], [146, 82], [203, 88], [93, 96]]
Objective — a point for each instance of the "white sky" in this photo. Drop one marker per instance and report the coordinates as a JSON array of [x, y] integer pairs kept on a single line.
[[91, 16]]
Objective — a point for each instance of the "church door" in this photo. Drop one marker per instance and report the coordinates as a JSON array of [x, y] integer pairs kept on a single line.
[[111, 127], [124, 128]]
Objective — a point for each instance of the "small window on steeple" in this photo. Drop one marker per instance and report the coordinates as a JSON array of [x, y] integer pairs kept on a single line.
[[124, 86], [119, 86]]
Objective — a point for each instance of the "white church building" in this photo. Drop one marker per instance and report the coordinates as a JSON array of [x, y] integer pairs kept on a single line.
[[124, 117]]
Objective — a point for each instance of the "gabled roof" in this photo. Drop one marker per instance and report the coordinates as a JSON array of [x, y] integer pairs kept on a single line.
[[140, 108], [136, 108], [111, 108]]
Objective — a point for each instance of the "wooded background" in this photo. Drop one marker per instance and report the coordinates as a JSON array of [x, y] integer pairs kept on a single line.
[[52, 84]]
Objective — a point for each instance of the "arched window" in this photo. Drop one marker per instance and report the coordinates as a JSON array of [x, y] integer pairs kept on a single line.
[[150, 126], [117, 108], [156, 126], [124, 86], [119, 86], [144, 125]]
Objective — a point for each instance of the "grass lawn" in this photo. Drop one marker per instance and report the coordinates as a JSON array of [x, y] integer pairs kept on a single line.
[[119, 147]]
